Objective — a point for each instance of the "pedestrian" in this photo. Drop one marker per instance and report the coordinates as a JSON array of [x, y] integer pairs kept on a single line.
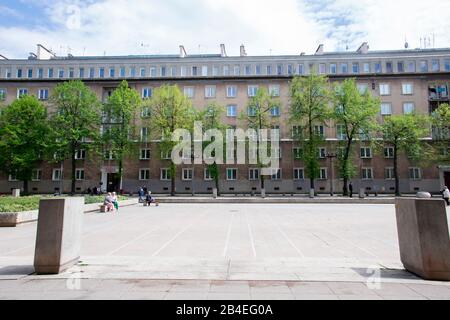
[[149, 199], [350, 188], [141, 194], [446, 195], [115, 201], [109, 203]]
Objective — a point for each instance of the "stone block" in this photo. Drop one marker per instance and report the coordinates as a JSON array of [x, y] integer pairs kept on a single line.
[[362, 193], [58, 238], [263, 193], [312, 193], [215, 193], [16, 193], [424, 237]]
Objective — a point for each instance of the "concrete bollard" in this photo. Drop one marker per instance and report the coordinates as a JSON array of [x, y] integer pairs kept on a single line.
[[215, 193], [16, 193], [58, 237], [362, 193], [423, 237], [312, 193], [263, 193]]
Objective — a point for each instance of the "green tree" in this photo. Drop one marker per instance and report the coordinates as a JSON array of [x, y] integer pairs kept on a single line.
[[404, 133], [75, 122], [211, 118], [258, 116], [310, 99], [120, 124], [170, 110], [24, 134], [441, 132], [355, 114]]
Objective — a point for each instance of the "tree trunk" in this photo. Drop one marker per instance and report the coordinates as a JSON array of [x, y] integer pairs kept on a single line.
[[345, 167], [216, 177], [72, 170], [25, 187], [121, 177], [397, 180], [172, 179], [263, 182]]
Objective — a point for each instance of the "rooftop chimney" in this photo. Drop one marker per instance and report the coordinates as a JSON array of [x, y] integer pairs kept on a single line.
[[223, 52], [364, 48], [243, 53], [43, 53], [319, 50], [183, 53]]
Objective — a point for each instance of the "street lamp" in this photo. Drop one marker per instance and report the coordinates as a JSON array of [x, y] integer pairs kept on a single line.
[[331, 156]]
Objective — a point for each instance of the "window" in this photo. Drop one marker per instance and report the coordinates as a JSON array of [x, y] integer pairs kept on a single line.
[[187, 174], [366, 153], [362, 88], [133, 72], [367, 173], [43, 94], [341, 132], [144, 174], [166, 155], [50, 73], [415, 173], [333, 68], [79, 174], [386, 109], [298, 153], [279, 69], [36, 175], [435, 66], [366, 67], [40, 73], [146, 93], [19, 73], [296, 132], [322, 68], [101, 72], [407, 88], [226, 70], [275, 174], [389, 173], [2, 94], [152, 72], [237, 70], [163, 71], [274, 90], [389, 152], [378, 67], [248, 70], [144, 134], [321, 153], [210, 91], [80, 154], [299, 174], [423, 65], [30, 73], [344, 68], [146, 112], [258, 70], [71, 73], [61, 73], [275, 111], [109, 155], [145, 154], [231, 174], [122, 72], [173, 71], [204, 71], [251, 111], [385, 89], [253, 174], [22, 92], [389, 67], [319, 130], [447, 65], [165, 174], [207, 175], [290, 69], [215, 71], [400, 66], [112, 72], [408, 107], [231, 91], [56, 175], [269, 70], [411, 66], [232, 111], [91, 73], [189, 92], [81, 72], [12, 177], [252, 90], [355, 67], [301, 69], [323, 174]]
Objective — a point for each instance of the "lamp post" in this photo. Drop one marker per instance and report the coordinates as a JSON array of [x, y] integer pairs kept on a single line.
[[331, 156]]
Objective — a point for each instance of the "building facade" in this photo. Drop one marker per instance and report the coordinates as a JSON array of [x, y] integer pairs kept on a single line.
[[406, 81]]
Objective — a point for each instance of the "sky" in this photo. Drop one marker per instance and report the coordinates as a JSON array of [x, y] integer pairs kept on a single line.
[[265, 27]]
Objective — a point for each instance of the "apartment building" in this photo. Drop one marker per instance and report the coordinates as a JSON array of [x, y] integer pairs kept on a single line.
[[407, 81]]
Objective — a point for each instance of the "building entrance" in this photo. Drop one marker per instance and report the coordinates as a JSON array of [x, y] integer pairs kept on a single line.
[[113, 183]]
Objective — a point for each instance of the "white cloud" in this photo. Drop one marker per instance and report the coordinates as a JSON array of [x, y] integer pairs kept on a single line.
[[269, 26]]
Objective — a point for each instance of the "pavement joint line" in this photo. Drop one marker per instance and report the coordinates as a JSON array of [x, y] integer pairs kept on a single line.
[[132, 241], [252, 240], [176, 236], [227, 241], [302, 255]]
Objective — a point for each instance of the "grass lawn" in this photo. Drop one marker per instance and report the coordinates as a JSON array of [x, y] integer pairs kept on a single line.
[[10, 204]]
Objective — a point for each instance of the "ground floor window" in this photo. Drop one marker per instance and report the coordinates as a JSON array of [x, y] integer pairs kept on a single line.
[[231, 174], [389, 174], [323, 174], [208, 175], [187, 174], [56, 175], [36, 175], [79, 174], [144, 174], [165, 174], [415, 173], [367, 173], [299, 174], [253, 174]]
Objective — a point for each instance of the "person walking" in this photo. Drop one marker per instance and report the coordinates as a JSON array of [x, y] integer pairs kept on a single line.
[[446, 195], [141, 194], [350, 188]]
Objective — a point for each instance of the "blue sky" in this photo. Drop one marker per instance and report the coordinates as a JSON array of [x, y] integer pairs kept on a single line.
[[97, 27]]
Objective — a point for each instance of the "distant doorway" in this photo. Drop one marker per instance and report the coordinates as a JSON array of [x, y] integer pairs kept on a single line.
[[447, 178], [113, 183]]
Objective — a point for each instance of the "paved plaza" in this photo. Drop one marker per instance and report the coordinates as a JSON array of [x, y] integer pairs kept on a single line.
[[224, 251]]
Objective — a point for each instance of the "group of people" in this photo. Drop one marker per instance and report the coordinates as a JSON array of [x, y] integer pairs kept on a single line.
[[146, 197], [111, 202], [94, 191]]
